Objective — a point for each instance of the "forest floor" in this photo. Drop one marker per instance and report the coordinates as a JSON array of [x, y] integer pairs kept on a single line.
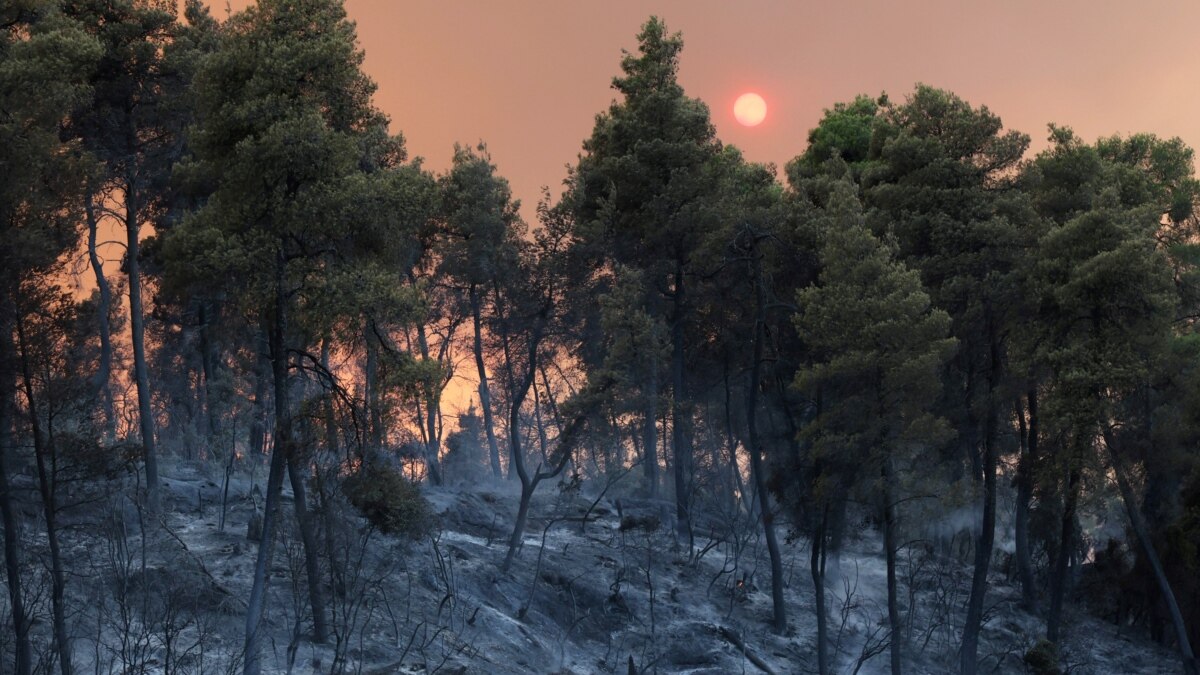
[[583, 596]]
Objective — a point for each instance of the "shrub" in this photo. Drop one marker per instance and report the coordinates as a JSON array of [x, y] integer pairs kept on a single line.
[[389, 501], [1042, 659]]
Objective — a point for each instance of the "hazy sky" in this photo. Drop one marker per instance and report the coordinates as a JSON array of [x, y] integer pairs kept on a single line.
[[529, 77]]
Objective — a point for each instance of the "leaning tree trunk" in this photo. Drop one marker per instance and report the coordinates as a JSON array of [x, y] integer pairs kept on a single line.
[[517, 395], [485, 395], [22, 655], [137, 324], [280, 451], [103, 307], [1186, 655], [46, 486]]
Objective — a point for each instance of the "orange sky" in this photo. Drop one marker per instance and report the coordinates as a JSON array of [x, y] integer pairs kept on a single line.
[[528, 77]]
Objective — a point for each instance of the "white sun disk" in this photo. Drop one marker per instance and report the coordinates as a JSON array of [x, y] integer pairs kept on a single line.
[[750, 109]]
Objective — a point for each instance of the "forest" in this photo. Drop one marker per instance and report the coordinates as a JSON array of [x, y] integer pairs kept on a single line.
[[924, 400]]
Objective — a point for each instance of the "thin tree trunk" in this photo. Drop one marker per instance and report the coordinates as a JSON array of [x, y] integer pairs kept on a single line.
[[737, 487], [210, 363], [680, 410], [433, 469], [1058, 580], [650, 432], [987, 532], [331, 430], [1029, 595], [817, 568], [514, 539], [485, 396], [22, 655], [103, 307], [889, 550], [371, 377], [258, 422], [312, 567], [1186, 655], [279, 454], [46, 486], [138, 329], [517, 394], [756, 467]]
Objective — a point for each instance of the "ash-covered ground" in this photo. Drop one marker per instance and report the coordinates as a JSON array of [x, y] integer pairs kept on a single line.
[[595, 588]]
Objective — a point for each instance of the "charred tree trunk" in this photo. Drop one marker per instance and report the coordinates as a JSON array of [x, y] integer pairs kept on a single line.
[[279, 456], [141, 373], [433, 397], [258, 422], [987, 531], [889, 551], [308, 535], [756, 463], [371, 383], [518, 390], [485, 395], [22, 655], [1058, 579], [817, 569], [1186, 655], [103, 309], [331, 429], [209, 361], [47, 487], [680, 413], [1029, 434]]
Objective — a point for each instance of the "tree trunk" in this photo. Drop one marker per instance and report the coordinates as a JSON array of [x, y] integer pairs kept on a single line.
[[138, 329], [1025, 468], [22, 661], [433, 398], [680, 412], [983, 554], [1058, 579], [210, 362], [47, 488], [308, 535], [514, 539], [987, 531], [889, 551], [756, 467], [258, 421], [103, 307], [650, 432], [1186, 655], [485, 396], [279, 455], [371, 382], [327, 411], [817, 568]]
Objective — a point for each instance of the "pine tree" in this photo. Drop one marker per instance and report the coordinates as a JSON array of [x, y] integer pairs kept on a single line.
[[641, 196], [288, 143], [877, 348]]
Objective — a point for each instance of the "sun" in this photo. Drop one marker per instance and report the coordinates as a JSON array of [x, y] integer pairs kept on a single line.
[[750, 109]]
